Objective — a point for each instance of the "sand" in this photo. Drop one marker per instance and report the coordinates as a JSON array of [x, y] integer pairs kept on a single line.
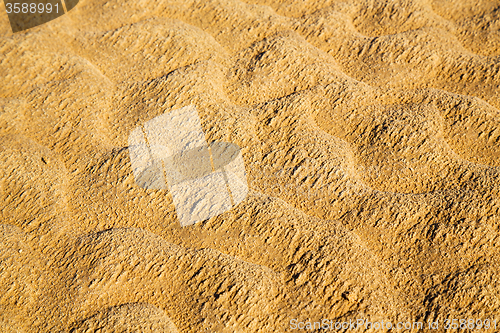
[[370, 133]]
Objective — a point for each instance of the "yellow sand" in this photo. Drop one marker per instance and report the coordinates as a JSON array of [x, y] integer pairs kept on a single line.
[[370, 132]]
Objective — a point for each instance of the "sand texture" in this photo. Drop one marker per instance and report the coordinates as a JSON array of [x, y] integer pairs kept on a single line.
[[370, 134]]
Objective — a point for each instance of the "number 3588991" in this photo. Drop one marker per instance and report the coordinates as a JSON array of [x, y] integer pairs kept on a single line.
[[27, 14], [31, 8]]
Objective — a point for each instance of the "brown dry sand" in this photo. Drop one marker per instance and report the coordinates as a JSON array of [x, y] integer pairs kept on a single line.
[[370, 132]]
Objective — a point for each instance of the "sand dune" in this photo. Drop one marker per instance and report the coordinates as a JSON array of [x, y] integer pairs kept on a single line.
[[370, 133]]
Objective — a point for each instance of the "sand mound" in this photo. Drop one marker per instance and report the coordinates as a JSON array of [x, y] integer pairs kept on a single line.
[[370, 133], [129, 318]]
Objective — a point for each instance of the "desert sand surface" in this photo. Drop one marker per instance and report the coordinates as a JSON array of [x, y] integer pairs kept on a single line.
[[370, 133]]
